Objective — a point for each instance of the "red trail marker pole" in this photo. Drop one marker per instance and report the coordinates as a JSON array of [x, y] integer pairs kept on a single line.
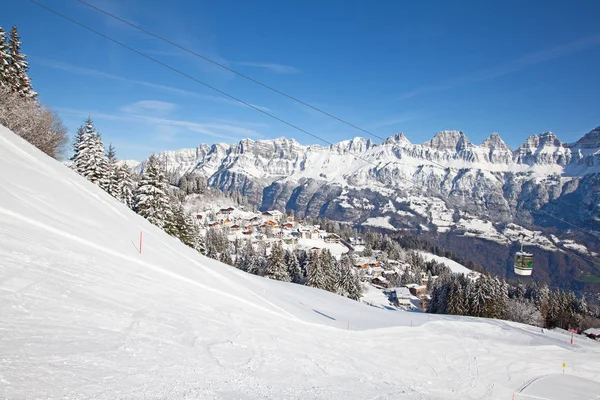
[[140, 242]]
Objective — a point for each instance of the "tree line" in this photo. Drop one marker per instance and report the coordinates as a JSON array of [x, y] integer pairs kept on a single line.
[[314, 268], [20, 110]]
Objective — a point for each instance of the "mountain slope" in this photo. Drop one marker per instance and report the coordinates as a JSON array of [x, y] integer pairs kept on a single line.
[[84, 315]]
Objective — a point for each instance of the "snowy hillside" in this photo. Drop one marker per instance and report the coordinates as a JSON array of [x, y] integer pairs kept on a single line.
[[85, 315]]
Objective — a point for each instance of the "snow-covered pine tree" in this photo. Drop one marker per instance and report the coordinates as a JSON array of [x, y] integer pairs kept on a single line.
[[293, 267], [329, 271], [18, 66], [314, 270], [276, 267], [226, 258], [79, 139], [244, 253], [4, 61], [355, 289], [124, 185], [151, 199], [112, 185], [90, 159]]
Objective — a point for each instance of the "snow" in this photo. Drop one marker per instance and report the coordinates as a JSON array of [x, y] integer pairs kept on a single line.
[[85, 315], [336, 249], [559, 387], [453, 265], [379, 222]]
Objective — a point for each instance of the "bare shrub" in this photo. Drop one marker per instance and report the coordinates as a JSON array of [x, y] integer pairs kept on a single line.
[[38, 125]]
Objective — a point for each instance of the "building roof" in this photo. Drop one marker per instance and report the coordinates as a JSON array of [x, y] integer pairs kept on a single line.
[[592, 331]]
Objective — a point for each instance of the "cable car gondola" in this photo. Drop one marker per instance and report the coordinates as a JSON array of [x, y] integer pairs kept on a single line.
[[523, 261]]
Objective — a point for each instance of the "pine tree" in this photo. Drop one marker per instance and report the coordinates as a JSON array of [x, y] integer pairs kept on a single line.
[[4, 61], [354, 288], [315, 275], [89, 159], [18, 66], [276, 267], [329, 271], [124, 185], [112, 186], [150, 197], [80, 138], [225, 258], [293, 267]]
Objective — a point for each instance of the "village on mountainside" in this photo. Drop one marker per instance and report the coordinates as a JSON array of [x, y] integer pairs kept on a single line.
[[384, 279]]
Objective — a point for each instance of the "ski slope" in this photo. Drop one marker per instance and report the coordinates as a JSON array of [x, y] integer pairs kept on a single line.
[[85, 315]]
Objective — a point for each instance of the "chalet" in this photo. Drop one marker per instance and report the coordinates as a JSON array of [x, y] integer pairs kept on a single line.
[[288, 226], [416, 289], [274, 215], [315, 234], [235, 228], [290, 240], [401, 296], [199, 217], [214, 224], [227, 222], [304, 233], [225, 211], [380, 282], [332, 238], [248, 232], [314, 249], [592, 333], [255, 221], [357, 241]]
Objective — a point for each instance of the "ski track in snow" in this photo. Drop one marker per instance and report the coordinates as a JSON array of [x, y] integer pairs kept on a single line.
[[84, 315]]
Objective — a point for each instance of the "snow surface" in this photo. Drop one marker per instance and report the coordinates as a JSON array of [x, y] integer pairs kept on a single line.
[[453, 265], [379, 222], [85, 315]]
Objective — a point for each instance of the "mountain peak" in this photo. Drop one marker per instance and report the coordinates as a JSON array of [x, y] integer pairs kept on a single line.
[[448, 140], [590, 139], [397, 138], [494, 141]]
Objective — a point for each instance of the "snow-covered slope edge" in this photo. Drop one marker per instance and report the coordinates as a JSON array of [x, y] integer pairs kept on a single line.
[[85, 315]]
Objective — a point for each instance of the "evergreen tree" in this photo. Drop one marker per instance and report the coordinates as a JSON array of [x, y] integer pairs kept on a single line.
[[225, 258], [18, 66], [112, 186], [151, 200], [276, 267], [329, 271], [293, 267], [80, 138], [124, 185], [90, 160], [314, 271], [355, 289], [4, 61]]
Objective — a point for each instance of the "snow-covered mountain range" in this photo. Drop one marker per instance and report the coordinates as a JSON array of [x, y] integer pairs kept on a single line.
[[430, 185]]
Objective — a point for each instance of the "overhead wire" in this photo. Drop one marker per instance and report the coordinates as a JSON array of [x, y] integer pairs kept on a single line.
[[281, 120]]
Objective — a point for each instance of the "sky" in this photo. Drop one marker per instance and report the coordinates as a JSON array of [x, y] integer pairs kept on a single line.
[[513, 67]]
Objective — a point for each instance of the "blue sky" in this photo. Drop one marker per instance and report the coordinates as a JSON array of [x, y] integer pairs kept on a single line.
[[513, 67]]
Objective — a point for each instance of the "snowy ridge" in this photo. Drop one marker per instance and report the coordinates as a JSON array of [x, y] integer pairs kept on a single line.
[[85, 315], [355, 180]]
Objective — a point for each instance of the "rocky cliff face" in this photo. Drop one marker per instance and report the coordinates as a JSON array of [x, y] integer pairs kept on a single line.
[[422, 186]]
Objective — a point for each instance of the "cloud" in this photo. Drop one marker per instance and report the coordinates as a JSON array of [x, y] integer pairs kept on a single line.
[[104, 75], [221, 130], [510, 67], [276, 68], [153, 106]]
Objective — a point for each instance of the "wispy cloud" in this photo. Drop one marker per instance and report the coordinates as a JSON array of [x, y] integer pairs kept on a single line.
[[510, 67], [153, 106], [221, 130], [273, 67], [104, 75]]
